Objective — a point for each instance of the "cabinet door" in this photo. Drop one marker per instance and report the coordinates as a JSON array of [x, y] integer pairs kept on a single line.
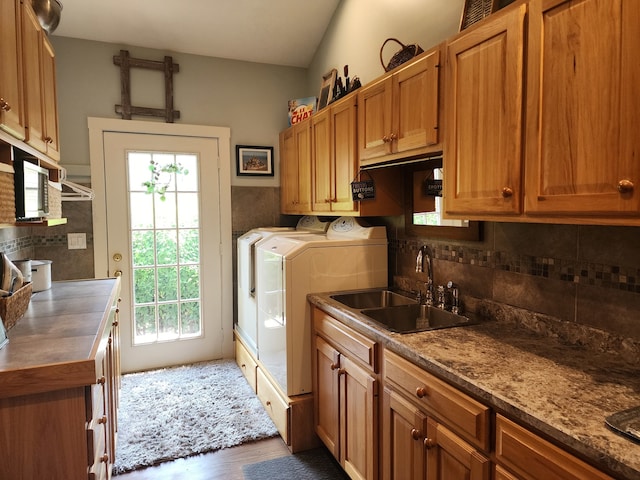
[[302, 132], [415, 104], [11, 110], [321, 175], [374, 119], [326, 412], [31, 55], [582, 141], [449, 457], [288, 171], [49, 100], [295, 168], [358, 421], [483, 109], [344, 154], [403, 433]]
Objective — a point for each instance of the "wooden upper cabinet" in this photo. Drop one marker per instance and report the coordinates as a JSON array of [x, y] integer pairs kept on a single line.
[[49, 100], [11, 109], [31, 54], [398, 115], [334, 158], [39, 86], [295, 160], [484, 117], [582, 140]]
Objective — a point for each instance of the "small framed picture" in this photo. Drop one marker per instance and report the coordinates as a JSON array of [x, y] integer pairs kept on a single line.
[[326, 88], [254, 161]]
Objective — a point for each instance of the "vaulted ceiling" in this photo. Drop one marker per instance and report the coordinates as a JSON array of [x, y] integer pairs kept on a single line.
[[279, 32]]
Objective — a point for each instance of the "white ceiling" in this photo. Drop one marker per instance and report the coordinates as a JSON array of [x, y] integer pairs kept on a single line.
[[279, 32]]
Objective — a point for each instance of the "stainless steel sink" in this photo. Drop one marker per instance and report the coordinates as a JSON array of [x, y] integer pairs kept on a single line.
[[415, 318], [373, 299]]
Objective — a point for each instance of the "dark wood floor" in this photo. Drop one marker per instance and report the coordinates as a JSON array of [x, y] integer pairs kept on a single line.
[[225, 464]]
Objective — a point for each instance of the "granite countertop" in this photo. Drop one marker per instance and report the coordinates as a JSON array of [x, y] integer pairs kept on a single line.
[[54, 344], [561, 391]]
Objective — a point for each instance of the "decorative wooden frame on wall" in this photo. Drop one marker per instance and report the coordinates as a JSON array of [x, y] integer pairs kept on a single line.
[[254, 161], [167, 66]]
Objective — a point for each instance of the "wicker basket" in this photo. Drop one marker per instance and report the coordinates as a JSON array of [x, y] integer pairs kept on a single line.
[[12, 308], [401, 56], [7, 198]]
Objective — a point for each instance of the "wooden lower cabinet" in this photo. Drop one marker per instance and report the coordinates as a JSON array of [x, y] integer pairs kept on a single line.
[[247, 364], [415, 444], [428, 429], [530, 457], [346, 390], [292, 416], [68, 433]]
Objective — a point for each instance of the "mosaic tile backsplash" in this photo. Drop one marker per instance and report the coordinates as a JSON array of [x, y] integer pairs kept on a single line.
[[587, 275], [620, 277]]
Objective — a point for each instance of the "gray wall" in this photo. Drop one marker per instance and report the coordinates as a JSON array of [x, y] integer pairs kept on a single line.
[[360, 27], [250, 98]]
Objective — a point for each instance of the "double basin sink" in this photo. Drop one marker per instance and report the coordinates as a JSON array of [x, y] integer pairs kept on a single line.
[[399, 313]]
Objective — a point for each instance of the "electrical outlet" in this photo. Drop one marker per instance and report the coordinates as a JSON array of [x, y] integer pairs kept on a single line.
[[76, 241]]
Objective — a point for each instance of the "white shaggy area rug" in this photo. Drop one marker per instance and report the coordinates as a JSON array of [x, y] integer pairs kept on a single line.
[[181, 411]]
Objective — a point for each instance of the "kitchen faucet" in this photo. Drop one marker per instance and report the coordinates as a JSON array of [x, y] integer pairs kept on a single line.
[[424, 258]]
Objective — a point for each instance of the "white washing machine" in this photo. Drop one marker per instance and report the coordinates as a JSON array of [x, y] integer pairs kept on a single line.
[[246, 323], [350, 256]]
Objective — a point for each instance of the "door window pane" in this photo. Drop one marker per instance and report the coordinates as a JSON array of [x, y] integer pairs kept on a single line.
[[165, 242]]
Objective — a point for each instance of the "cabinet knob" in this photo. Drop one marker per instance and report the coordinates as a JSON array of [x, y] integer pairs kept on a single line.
[[625, 186], [416, 434], [393, 137], [507, 192], [429, 443], [104, 458], [4, 105], [101, 381], [341, 371], [386, 139], [102, 420], [268, 403], [421, 392], [48, 140], [334, 366]]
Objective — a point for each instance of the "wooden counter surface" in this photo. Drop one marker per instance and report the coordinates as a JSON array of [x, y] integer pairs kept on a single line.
[[54, 345]]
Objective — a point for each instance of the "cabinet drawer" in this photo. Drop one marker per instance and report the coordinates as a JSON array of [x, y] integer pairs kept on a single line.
[[346, 340], [468, 418], [247, 364], [531, 457], [276, 407]]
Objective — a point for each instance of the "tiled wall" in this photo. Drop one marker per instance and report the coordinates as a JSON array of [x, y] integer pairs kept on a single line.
[[589, 275]]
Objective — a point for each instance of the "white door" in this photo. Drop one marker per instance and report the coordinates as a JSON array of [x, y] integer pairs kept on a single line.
[[167, 247]]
